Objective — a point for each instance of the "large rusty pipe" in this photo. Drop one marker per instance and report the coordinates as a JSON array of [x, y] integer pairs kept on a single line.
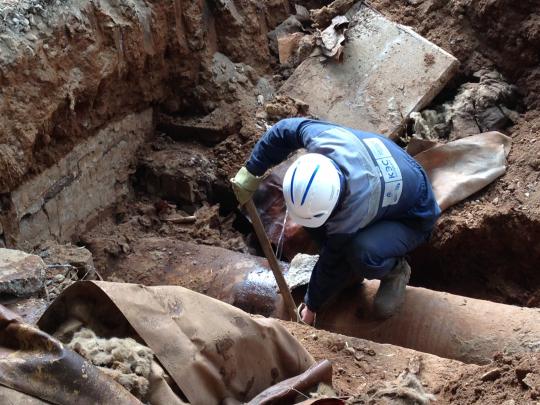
[[465, 329], [444, 324]]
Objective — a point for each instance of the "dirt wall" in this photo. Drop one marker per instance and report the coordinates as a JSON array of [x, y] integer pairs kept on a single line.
[[67, 69], [78, 65]]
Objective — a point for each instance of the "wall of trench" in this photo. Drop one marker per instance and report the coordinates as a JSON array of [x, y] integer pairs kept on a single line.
[[79, 86]]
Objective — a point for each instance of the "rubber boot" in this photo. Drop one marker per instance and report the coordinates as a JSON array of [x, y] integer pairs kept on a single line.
[[391, 292]]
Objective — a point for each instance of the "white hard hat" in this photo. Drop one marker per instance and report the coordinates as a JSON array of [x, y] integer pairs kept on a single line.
[[311, 189]]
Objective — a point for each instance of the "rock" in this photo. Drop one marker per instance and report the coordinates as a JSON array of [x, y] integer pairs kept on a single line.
[[21, 274], [350, 351], [76, 256], [322, 16], [285, 107], [288, 46], [300, 270], [532, 381], [287, 27]]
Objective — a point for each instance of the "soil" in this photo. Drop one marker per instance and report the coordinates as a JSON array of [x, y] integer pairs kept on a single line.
[[111, 240], [90, 56], [509, 379], [357, 371]]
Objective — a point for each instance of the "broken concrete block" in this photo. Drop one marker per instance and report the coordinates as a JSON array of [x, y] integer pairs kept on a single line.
[[287, 27], [21, 274], [388, 71], [78, 257], [180, 172]]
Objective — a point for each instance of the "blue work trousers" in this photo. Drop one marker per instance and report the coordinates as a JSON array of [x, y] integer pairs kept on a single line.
[[375, 250]]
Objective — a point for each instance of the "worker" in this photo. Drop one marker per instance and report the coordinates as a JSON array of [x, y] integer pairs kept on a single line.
[[369, 201]]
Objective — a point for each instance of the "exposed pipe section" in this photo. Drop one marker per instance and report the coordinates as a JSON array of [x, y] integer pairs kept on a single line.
[[443, 324]]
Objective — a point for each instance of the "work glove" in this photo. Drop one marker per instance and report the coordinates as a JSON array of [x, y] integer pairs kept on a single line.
[[244, 184]]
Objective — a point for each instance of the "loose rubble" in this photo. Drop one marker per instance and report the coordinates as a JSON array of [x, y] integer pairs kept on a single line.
[[477, 107], [21, 274]]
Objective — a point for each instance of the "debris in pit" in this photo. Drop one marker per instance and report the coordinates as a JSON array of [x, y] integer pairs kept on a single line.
[[208, 130], [330, 40], [178, 172], [323, 16], [211, 228], [125, 360], [21, 274], [21, 16], [382, 79], [486, 105], [300, 269], [294, 48], [65, 264], [59, 277], [294, 24], [327, 44], [284, 107], [62, 255], [510, 377]]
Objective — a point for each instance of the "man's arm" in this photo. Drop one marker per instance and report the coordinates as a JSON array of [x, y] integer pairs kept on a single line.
[[330, 273], [274, 147]]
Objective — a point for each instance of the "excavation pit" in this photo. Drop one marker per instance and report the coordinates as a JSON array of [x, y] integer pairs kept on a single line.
[[90, 92]]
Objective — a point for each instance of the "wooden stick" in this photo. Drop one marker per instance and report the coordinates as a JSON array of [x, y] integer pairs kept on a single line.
[[272, 259]]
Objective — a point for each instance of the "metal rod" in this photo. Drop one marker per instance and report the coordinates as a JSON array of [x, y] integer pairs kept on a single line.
[[272, 259]]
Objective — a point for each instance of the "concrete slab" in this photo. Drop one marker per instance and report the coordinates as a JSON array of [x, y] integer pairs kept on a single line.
[[388, 71], [21, 274]]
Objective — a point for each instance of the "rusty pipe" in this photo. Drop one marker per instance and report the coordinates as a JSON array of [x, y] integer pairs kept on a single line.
[[465, 329], [451, 326]]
